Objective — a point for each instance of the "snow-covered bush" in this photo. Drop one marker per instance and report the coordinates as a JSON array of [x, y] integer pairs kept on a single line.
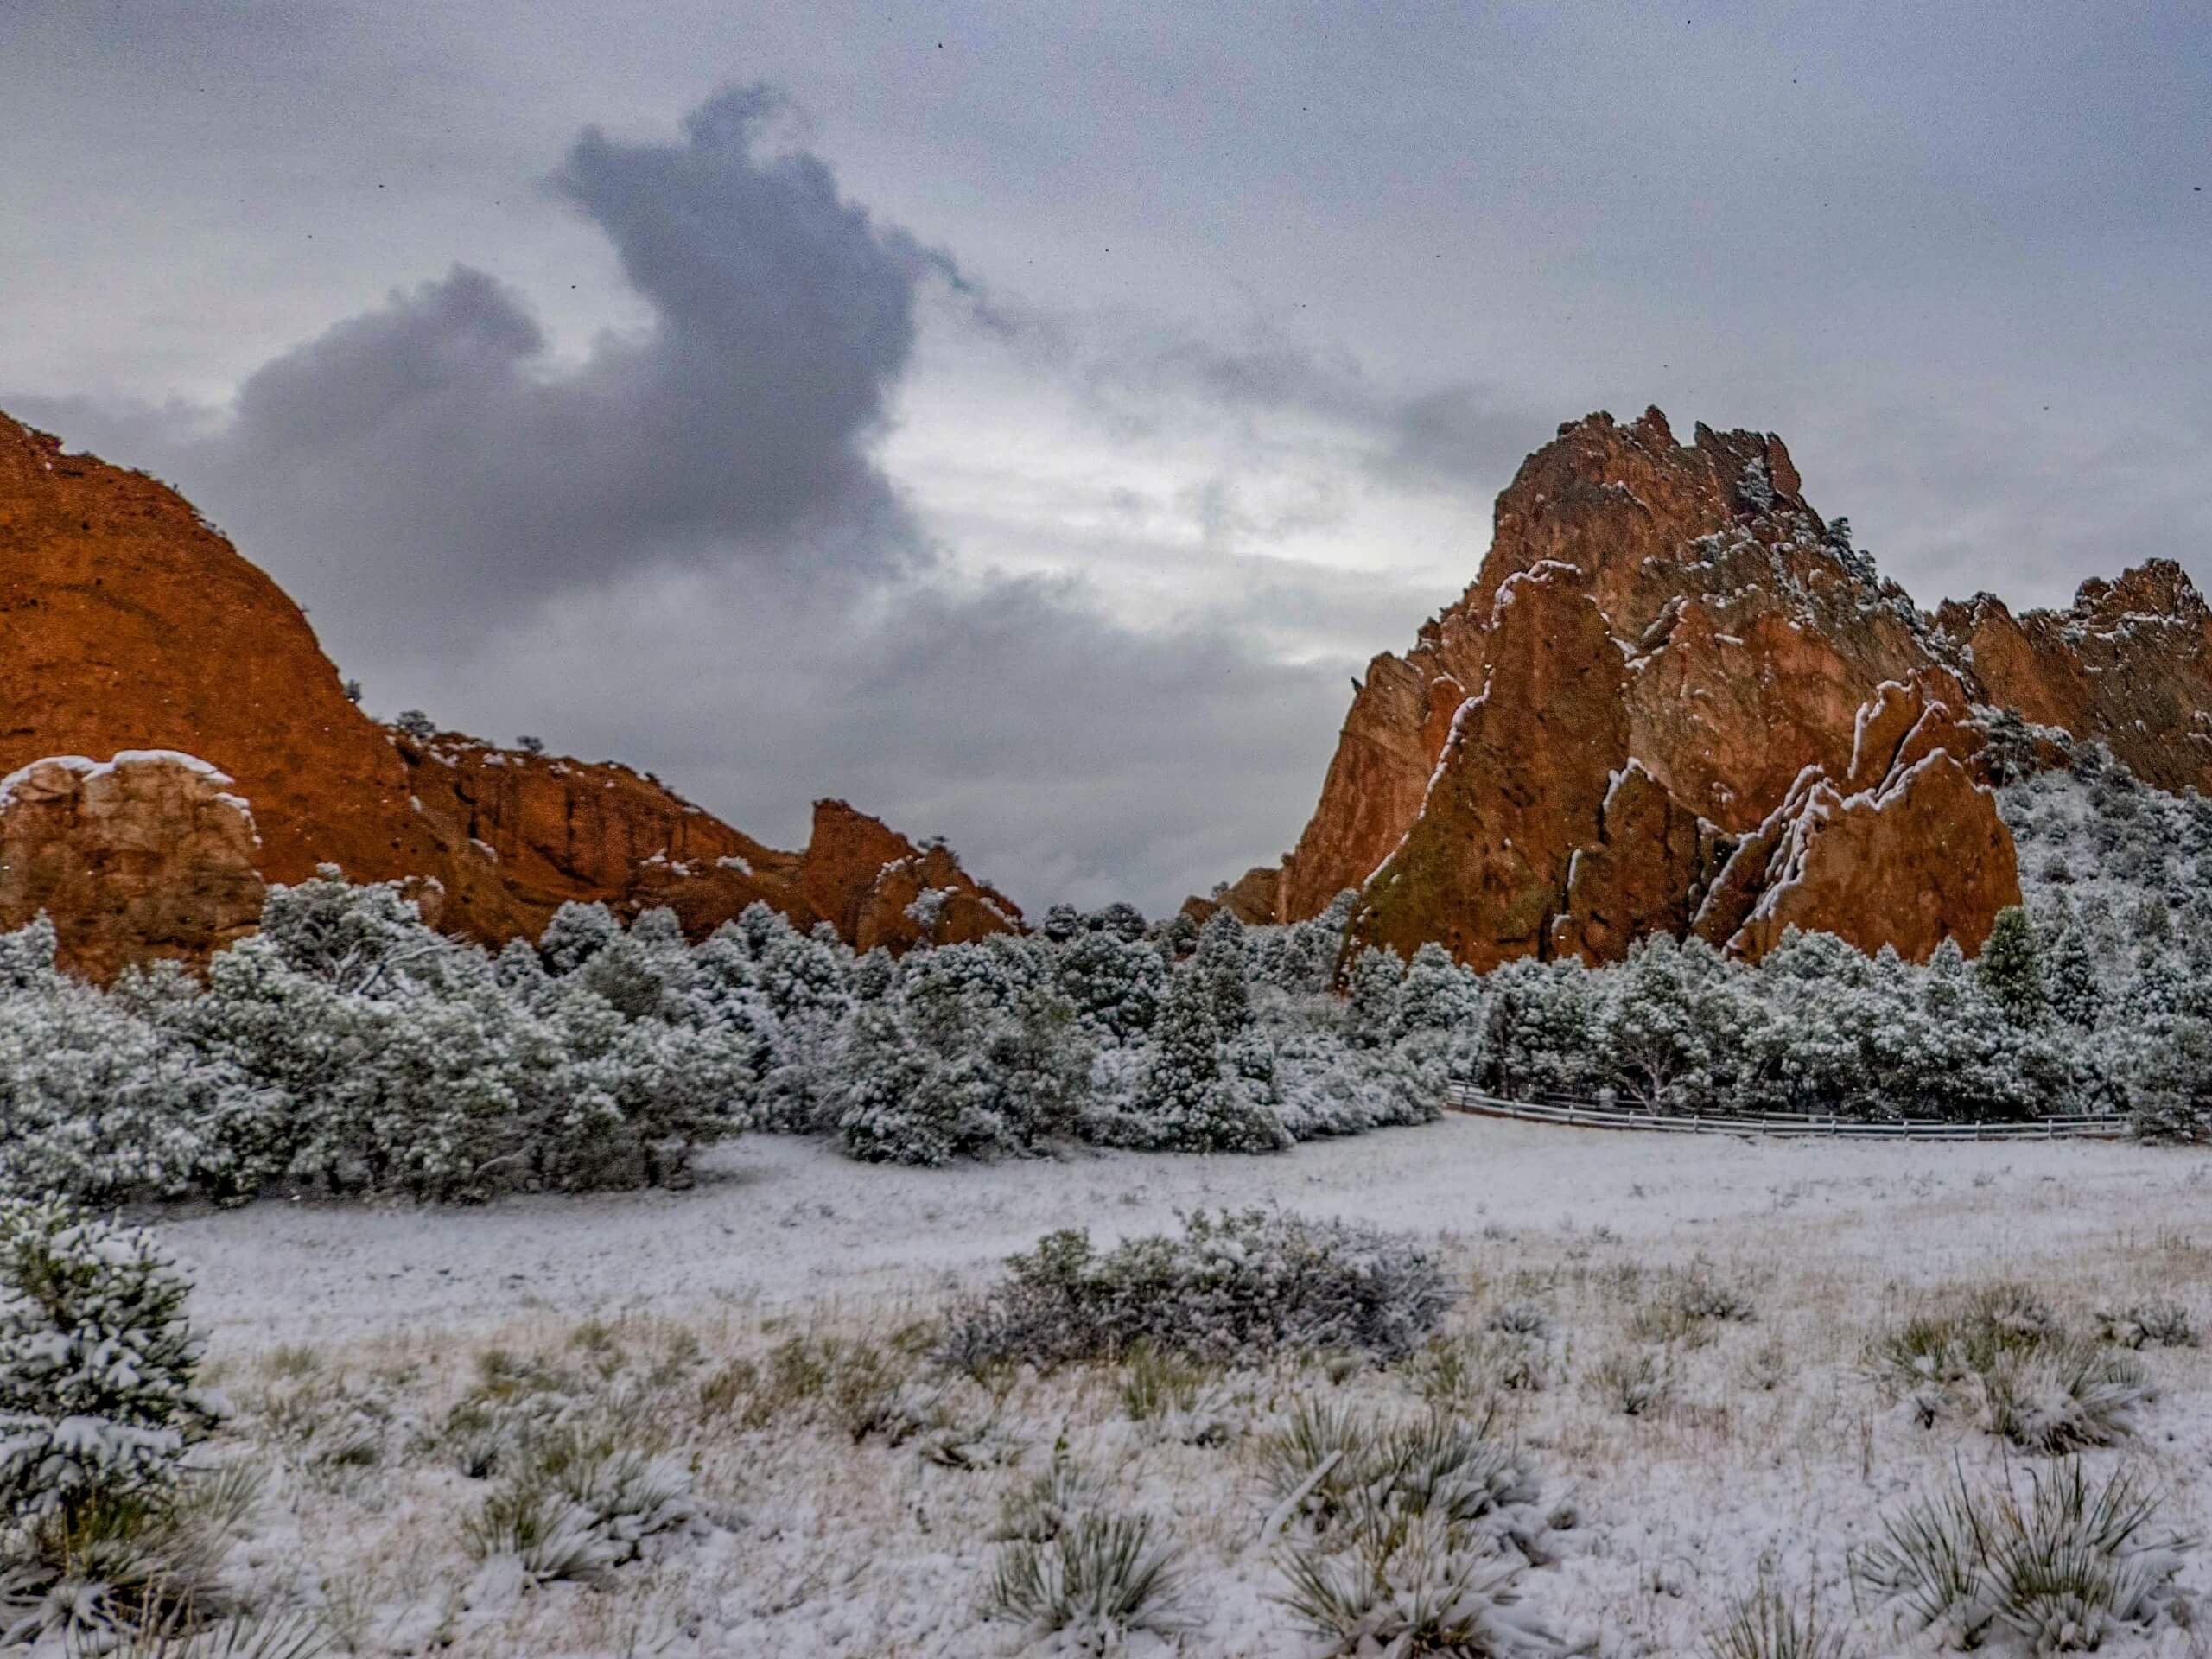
[[1114, 981], [1230, 1284], [99, 1401], [102, 1103]]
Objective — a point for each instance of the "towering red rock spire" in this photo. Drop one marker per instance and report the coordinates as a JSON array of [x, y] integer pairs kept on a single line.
[[1670, 661]]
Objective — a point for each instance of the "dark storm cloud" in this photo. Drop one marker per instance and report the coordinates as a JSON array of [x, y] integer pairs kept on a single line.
[[418, 466]]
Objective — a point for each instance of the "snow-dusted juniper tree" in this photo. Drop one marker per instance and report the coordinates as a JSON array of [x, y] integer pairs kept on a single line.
[[1114, 981], [1374, 986], [1192, 1096]]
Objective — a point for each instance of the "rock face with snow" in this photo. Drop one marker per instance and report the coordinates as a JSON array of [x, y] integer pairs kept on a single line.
[[131, 624], [146, 856], [1676, 700], [2130, 663]]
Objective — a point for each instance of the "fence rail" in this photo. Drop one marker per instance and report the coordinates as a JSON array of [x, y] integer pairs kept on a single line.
[[1785, 1124]]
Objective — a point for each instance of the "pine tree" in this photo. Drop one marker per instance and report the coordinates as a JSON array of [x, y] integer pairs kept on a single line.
[[2167, 1076], [98, 1365], [2011, 968], [1222, 961], [2074, 990], [886, 1114]]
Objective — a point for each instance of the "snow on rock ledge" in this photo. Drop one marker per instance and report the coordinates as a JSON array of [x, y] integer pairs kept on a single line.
[[143, 856]]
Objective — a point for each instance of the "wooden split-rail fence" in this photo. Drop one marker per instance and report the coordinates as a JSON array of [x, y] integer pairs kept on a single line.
[[1593, 1115]]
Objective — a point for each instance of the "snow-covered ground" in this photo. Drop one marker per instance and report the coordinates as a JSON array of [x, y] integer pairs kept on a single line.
[[1776, 1449], [777, 1219]]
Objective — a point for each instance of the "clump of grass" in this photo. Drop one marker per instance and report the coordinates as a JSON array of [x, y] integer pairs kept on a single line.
[[1155, 1382], [2072, 1564], [291, 1361], [1767, 1624], [1690, 1302], [1768, 1366], [1095, 1582], [1635, 1384], [1038, 1510], [1523, 1318]]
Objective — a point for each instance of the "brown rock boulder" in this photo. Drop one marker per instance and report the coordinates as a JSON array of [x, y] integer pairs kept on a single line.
[[1254, 899], [145, 856]]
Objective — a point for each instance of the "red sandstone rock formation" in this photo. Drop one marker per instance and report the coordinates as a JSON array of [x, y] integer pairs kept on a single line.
[[1253, 898], [2130, 664], [147, 855], [131, 624], [1714, 715]]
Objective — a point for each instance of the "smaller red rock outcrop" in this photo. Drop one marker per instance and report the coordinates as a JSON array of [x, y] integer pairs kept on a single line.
[[550, 829], [1253, 898], [145, 856], [2129, 663]]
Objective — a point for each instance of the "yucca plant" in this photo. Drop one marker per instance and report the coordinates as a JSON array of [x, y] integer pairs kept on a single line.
[[2061, 1395], [1414, 1587], [1768, 1625], [1039, 1510], [553, 1537], [1103, 1578], [1315, 1464], [2073, 1562], [272, 1636]]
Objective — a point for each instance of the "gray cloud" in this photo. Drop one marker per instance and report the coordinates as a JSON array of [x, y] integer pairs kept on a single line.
[[418, 468]]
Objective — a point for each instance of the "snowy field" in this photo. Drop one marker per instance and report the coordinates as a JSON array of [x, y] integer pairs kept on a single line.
[[751, 1328]]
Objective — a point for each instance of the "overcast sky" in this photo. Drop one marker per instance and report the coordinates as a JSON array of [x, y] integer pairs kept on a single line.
[[1021, 419]]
